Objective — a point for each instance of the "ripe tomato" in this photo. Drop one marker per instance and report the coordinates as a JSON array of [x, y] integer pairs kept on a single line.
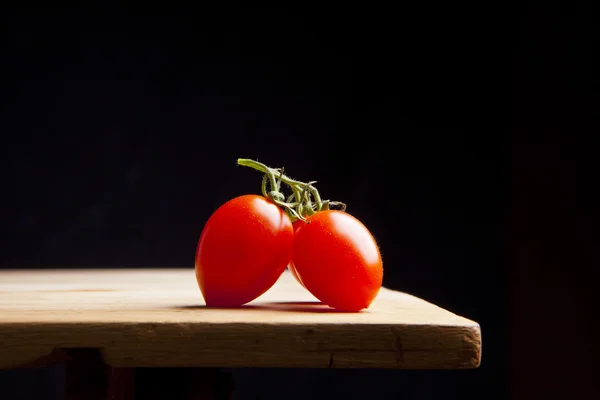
[[243, 249], [291, 266], [292, 269], [337, 260]]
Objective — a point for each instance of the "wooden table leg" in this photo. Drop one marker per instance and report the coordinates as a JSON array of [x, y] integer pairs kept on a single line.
[[183, 383], [89, 378], [121, 384]]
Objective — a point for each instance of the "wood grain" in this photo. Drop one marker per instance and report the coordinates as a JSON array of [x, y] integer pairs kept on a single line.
[[157, 318]]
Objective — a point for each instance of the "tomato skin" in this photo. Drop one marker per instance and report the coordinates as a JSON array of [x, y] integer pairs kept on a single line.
[[294, 273], [338, 260], [243, 249], [291, 266]]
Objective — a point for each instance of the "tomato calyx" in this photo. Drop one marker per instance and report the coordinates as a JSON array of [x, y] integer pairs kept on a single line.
[[304, 200]]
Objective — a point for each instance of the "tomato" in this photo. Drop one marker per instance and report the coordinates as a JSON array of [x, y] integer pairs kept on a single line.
[[291, 266], [337, 259], [243, 249], [292, 269]]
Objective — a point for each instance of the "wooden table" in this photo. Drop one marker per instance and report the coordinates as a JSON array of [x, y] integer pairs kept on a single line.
[[107, 324]]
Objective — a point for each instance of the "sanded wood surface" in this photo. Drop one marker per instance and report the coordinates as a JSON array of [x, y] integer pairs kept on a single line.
[[157, 318]]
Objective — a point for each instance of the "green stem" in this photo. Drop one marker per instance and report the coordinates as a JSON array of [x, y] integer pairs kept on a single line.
[[301, 192], [267, 170], [263, 186]]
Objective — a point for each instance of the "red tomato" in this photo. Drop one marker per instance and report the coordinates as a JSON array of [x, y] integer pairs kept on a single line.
[[338, 260], [291, 266], [244, 248], [292, 269]]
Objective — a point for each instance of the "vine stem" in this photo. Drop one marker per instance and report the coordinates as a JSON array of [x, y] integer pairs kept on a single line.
[[299, 204], [269, 171]]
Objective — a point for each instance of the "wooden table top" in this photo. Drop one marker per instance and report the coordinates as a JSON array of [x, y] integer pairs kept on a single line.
[[157, 318]]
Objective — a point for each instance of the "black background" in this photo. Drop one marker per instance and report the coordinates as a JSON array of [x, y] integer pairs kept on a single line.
[[458, 133]]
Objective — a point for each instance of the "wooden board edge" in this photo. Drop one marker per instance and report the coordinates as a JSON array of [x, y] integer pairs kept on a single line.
[[263, 345]]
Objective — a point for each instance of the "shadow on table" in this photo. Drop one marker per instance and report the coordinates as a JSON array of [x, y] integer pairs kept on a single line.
[[294, 306]]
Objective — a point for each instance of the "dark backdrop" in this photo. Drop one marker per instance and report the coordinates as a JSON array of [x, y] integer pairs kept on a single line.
[[443, 128]]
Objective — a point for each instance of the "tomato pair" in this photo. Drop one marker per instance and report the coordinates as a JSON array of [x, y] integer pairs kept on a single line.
[[249, 241]]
